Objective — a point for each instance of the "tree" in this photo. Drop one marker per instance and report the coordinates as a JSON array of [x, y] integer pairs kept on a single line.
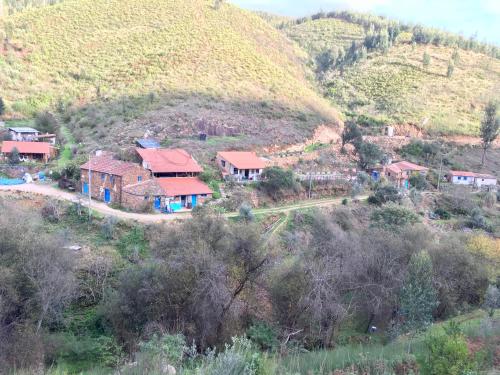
[[276, 181], [14, 157], [46, 122], [489, 128], [426, 60], [450, 70], [2, 107], [369, 154], [418, 181], [418, 297], [492, 299], [351, 134]]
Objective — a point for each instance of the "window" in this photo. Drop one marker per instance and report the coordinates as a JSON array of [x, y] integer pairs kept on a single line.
[[139, 178], [203, 195], [112, 179], [103, 177], [235, 170], [223, 163]]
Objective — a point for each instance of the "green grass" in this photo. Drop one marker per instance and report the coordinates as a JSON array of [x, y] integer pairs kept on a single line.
[[315, 147], [87, 50], [395, 87]]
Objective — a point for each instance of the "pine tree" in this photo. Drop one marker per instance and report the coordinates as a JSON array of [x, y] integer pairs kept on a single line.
[[418, 297], [489, 128]]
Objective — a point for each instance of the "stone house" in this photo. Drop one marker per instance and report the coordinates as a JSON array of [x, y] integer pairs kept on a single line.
[[240, 165], [106, 178], [23, 134], [400, 173]]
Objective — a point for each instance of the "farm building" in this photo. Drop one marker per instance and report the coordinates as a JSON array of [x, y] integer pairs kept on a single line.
[[400, 173], [105, 178], [23, 134], [169, 194], [484, 180], [29, 151], [461, 177], [169, 162], [240, 165]]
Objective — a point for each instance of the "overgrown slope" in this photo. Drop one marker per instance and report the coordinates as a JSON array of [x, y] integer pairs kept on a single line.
[[104, 50], [394, 86]]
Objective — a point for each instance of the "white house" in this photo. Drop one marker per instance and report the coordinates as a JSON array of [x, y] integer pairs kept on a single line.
[[473, 179], [240, 165], [461, 177], [481, 180]]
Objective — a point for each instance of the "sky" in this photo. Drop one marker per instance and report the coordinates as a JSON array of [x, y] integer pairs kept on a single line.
[[467, 17]]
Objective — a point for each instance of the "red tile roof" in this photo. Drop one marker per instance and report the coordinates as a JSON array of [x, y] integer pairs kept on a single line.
[[169, 161], [462, 173], [106, 164], [405, 166], [27, 147], [242, 159], [175, 186]]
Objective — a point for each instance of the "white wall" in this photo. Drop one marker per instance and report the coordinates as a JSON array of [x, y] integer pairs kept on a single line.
[[485, 181], [464, 180]]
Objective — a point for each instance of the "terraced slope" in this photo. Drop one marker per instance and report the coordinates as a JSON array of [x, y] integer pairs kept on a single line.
[[103, 50], [396, 88]]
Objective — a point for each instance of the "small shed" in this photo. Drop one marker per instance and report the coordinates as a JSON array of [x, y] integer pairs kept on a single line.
[[148, 143]]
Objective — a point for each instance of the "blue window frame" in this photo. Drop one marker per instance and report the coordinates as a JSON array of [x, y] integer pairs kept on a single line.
[[139, 178]]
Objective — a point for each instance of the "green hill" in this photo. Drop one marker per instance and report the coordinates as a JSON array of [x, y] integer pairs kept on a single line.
[[102, 51], [392, 85]]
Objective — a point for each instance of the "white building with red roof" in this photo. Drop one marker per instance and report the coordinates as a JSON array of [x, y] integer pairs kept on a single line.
[[240, 165], [471, 178], [169, 162], [400, 173]]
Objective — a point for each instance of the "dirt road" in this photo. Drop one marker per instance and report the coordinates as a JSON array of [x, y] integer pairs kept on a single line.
[[104, 209]]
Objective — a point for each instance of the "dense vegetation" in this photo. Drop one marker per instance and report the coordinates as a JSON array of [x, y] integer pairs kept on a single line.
[[169, 297]]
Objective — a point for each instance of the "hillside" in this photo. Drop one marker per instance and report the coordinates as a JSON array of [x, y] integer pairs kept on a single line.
[[141, 56], [393, 86]]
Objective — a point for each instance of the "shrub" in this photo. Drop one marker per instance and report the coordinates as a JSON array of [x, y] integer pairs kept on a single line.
[[442, 213], [384, 194], [245, 213], [478, 221], [51, 211], [345, 201], [263, 336], [445, 354], [369, 154], [492, 299], [108, 227], [2, 107], [276, 181], [458, 203], [393, 217], [418, 181], [46, 122], [133, 245], [14, 157]]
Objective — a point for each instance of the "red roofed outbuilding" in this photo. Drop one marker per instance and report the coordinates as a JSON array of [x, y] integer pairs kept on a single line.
[[169, 162], [400, 173], [29, 150], [240, 165]]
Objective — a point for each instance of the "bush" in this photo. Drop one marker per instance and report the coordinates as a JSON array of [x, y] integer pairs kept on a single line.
[[51, 211], [276, 181], [445, 354], [345, 201], [2, 107], [46, 122], [263, 336], [418, 181], [478, 221], [108, 227], [14, 157], [458, 203], [133, 246], [369, 154], [393, 217], [384, 194], [245, 213], [443, 214]]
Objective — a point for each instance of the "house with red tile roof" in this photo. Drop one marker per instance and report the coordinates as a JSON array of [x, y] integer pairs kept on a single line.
[[40, 151], [400, 173], [240, 165], [169, 194], [169, 162], [105, 178]]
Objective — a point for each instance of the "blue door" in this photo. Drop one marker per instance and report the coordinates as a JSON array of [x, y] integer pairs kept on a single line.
[[157, 203], [85, 188], [194, 200], [107, 196]]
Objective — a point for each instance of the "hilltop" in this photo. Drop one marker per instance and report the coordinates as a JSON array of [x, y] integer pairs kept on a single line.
[[390, 85], [105, 63]]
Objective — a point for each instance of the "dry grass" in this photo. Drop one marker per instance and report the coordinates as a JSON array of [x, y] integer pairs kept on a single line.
[[395, 87], [98, 50]]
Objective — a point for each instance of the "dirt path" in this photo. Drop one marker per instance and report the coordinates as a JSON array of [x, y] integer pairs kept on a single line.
[[104, 209]]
